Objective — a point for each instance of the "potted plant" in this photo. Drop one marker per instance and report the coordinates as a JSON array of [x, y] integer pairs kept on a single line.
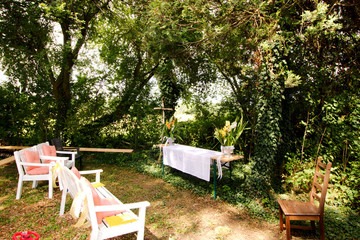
[[229, 135], [167, 133]]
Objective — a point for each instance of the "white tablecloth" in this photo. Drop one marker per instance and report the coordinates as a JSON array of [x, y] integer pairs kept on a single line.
[[191, 160]]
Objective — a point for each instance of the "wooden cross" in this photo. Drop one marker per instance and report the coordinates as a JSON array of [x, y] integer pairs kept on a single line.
[[163, 108]]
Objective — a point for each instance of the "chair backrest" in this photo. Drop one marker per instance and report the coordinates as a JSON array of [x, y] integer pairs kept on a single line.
[[39, 147], [57, 143], [69, 181], [320, 183]]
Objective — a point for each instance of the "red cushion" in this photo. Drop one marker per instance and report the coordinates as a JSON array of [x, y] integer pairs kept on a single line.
[[49, 151], [31, 157], [38, 171], [76, 172], [102, 202]]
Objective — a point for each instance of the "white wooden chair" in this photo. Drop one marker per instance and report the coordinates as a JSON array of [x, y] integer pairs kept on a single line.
[[74, 186], [32, 171], [68, 163]]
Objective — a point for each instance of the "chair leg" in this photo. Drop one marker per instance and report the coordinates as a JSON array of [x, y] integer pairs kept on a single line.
[[288, 232], [141, 232], [140, 235], [51, 188], [95, 235], [281, 219], [313, 225], [321, 228], [35, 184], [19, 189], [63, 200]]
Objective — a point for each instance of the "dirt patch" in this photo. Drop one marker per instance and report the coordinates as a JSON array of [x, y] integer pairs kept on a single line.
[[181, 214], [187, 216]]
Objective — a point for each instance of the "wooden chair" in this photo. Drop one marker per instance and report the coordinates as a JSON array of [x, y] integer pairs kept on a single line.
[[296, 210], [57, 142], [77, 187], [26, 171]]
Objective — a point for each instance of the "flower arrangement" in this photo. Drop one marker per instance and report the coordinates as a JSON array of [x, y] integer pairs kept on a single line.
[[230, 133], [168, 128]]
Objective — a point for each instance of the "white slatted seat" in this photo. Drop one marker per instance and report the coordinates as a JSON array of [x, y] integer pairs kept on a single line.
[[74, 186], [26, 171], [68, 163]]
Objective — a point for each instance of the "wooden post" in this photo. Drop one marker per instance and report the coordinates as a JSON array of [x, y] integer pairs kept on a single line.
[[163, 108]]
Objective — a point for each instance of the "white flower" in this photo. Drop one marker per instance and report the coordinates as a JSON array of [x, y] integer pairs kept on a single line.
[[232, 126]]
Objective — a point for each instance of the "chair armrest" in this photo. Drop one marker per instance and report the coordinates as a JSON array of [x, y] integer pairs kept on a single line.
[[38, 164], [71, 148], [66, 152], [43, 157], [57, 159], [73, 154], [91, 171], [96, 171]]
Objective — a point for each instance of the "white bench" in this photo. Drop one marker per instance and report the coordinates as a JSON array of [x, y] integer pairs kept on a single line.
[[76, 187]]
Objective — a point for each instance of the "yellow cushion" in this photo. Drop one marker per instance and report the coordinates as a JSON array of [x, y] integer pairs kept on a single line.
[[118, 220], [97, 184]]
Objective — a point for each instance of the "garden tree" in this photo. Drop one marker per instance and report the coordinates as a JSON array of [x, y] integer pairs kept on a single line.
[[129, 68], [31, 56], [136, 48], [170, 89], [231, 33]]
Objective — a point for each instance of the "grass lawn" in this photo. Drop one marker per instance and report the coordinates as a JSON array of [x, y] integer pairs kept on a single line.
[[178, 209]]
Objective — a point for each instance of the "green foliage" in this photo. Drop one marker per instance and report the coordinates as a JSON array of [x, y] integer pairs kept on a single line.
[[342, 224], [269, 116], [301, 175]]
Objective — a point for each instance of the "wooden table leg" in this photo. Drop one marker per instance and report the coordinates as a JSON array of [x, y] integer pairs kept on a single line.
[[288, 228]]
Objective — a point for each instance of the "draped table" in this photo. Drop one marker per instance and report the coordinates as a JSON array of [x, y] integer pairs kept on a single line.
[[195, 161]]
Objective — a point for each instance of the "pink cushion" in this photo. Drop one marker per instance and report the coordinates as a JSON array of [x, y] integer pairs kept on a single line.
[[102, 202], [95, 195], [38, 171], [49, 151], [76, 172], [31, 157]]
